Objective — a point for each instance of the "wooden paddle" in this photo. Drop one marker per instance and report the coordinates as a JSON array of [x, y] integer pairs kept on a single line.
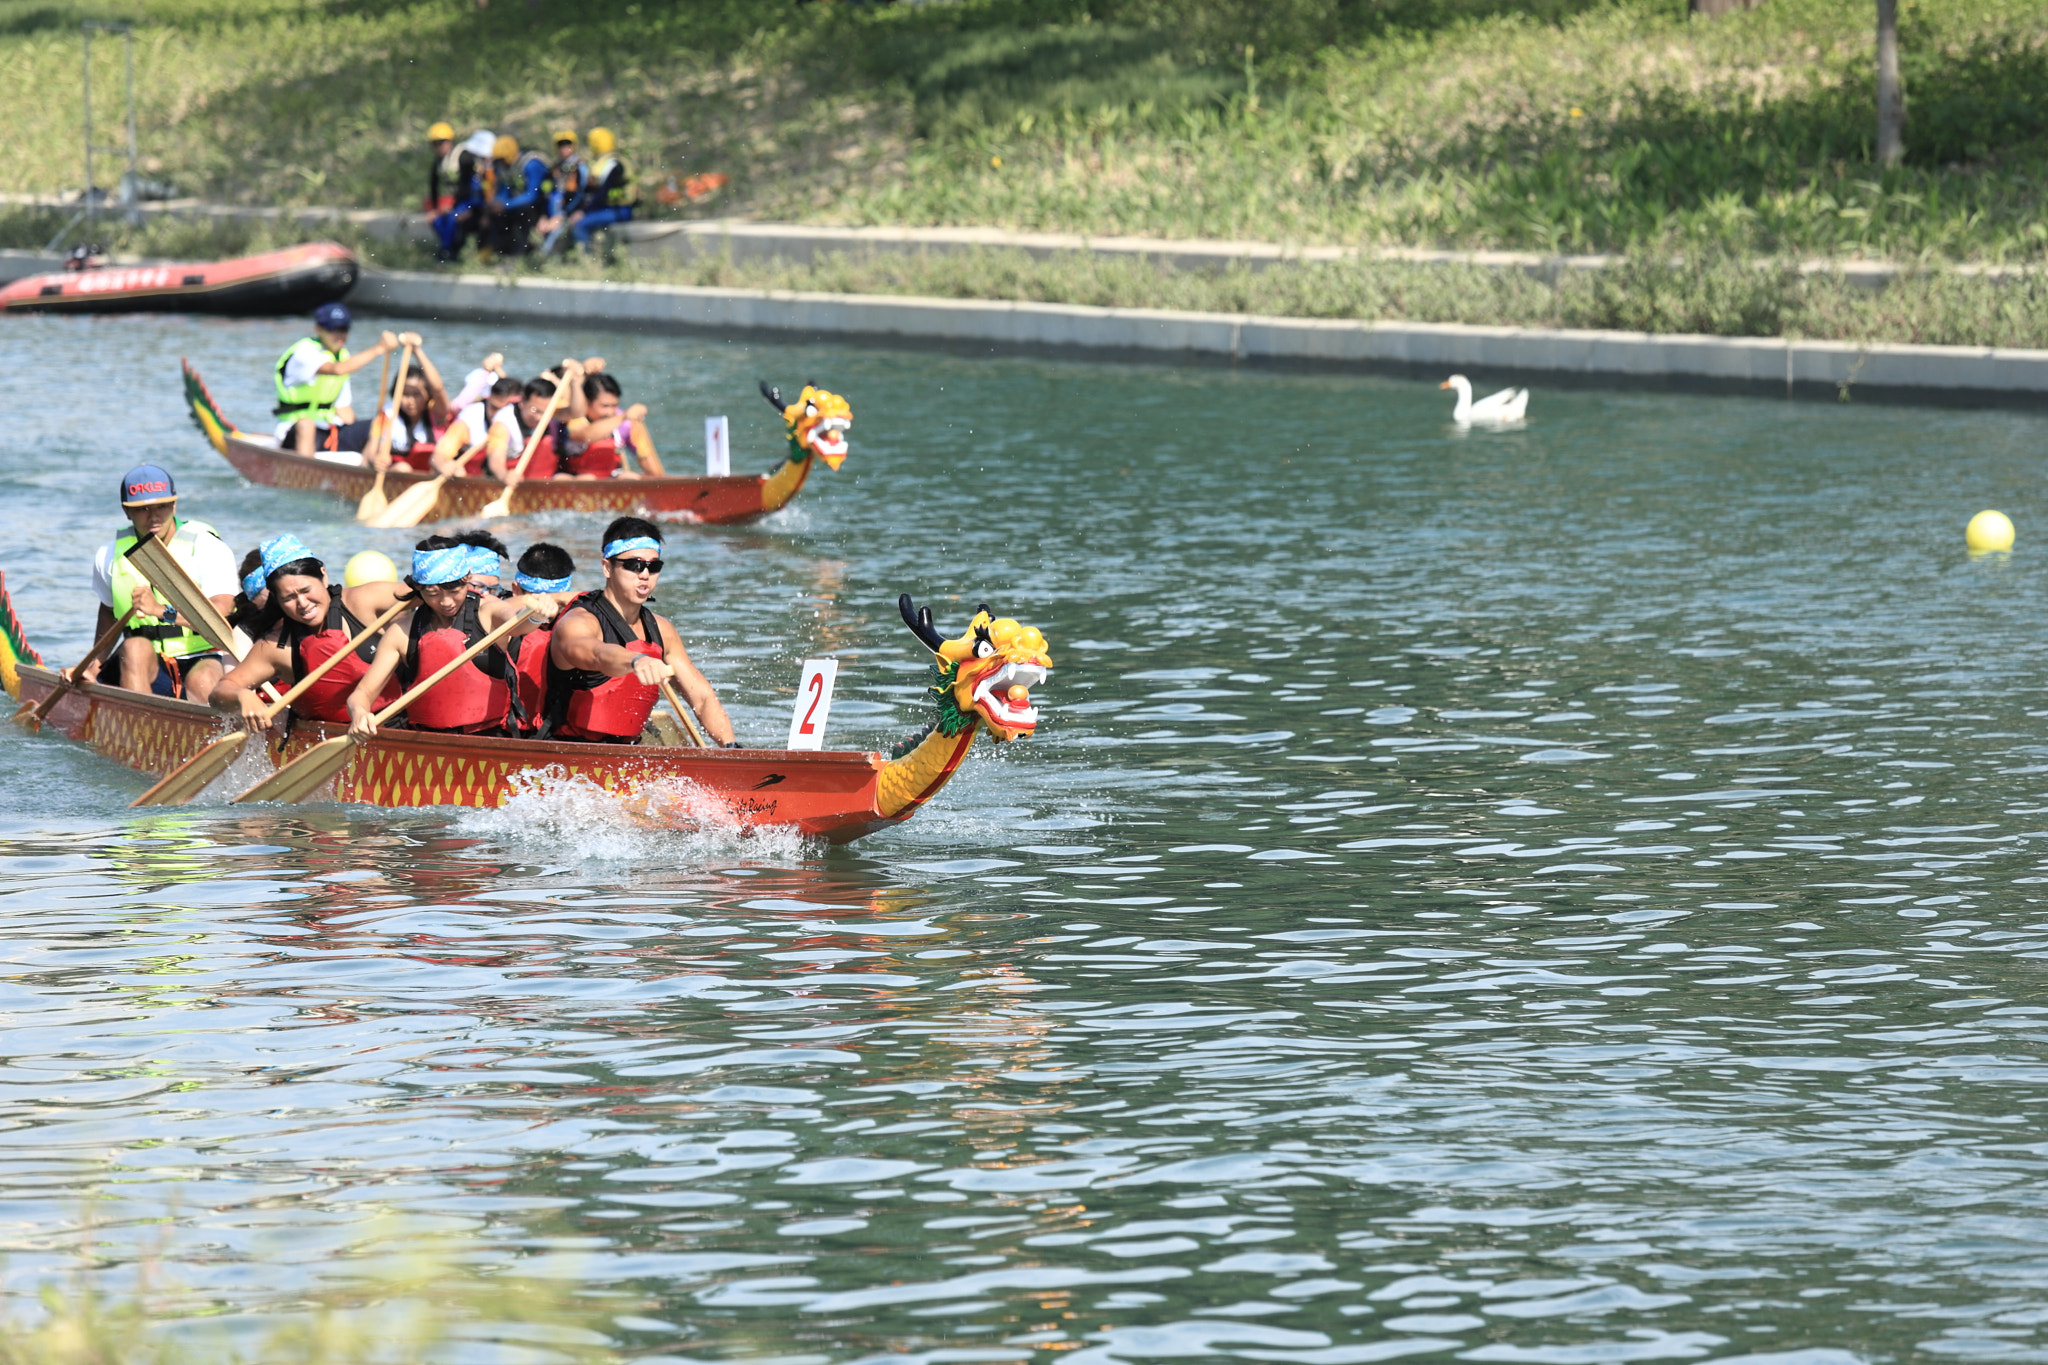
[[501, 505], [168, 577], [316, 767], [196, 773], [675, 703], [374, 502], [32, 714]]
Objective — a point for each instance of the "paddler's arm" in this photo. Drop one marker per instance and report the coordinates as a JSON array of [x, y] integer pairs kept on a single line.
[[493, 612], [496, 443], [362, 703], [267, 661], [88, 668], [437, 392], [643, 442], [447, 457], [694, 686], [357, 359]]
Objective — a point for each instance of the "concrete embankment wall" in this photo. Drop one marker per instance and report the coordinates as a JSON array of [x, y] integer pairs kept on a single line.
[[1764, 365], [1491, 355]]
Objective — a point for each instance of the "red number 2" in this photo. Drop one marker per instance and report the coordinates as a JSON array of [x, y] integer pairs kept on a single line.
[[817, 686]]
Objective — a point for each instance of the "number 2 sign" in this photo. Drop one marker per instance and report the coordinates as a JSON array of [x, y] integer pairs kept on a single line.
[[813, 704]]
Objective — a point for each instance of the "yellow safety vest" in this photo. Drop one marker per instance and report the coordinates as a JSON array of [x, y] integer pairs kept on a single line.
[[315, 400], [173, 641], [624, 193]]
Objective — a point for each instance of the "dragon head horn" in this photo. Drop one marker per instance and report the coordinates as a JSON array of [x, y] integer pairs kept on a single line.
[[773, 394], [919, 619], [984, 609]]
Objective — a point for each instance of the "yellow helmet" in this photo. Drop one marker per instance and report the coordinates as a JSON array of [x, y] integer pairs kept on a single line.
[[566, 135], [440, 132], [506, 148], [602, 142]]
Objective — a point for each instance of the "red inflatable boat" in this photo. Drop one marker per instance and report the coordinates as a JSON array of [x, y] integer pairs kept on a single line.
[[295, 280]]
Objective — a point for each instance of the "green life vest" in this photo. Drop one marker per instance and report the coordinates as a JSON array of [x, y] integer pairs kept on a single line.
[[175, 640], [619, 195], [315, 400]]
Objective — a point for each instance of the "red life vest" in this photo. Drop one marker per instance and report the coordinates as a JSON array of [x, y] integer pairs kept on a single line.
[[600, 457], [546, 462], [587, 705], [530, 657], [476, 698], [327, 700]]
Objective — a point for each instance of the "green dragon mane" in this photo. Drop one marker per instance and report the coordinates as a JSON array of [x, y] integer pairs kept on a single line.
[[951, 720]]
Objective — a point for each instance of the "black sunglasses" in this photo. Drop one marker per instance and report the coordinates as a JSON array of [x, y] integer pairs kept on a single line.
[[639, 565]]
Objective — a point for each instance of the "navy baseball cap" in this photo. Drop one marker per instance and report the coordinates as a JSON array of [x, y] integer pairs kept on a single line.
[[333, 316], [146, 484]]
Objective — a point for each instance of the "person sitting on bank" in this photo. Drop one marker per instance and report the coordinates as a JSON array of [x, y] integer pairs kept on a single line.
[[315, 416], [304, 622], [571, 178], [464, 217], [442, 173], [479, 698], [520, 197], [159, 653], [596, 439], [610, 653], [418, 418], [613, 192], [543, 570]]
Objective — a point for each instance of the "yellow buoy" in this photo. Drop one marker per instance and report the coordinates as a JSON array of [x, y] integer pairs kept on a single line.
[[1989, 531], [372, 566]]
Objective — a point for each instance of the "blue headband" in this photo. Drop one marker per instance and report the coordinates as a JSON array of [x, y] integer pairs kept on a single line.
[[431, 567], [532, 584], [619, 547], [483, 559], [253, 581], [279, 551]]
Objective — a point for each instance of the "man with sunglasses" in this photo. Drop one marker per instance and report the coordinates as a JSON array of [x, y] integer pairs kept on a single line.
[[610, 653]]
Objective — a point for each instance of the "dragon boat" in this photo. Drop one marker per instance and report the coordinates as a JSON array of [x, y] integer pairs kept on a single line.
[[295, 280], [816, 425], [981, 680]]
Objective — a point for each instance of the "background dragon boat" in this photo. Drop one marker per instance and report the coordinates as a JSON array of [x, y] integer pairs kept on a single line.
[[980, 681], [295, 280], [816, 425]]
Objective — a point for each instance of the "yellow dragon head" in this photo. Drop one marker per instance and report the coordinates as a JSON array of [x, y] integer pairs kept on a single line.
[[817, 423], [986, 674]]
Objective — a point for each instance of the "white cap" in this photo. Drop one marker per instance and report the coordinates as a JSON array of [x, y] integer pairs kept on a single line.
[[480, 142]]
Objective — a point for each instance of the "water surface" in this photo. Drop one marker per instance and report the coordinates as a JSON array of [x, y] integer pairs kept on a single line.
[[1568, 895]]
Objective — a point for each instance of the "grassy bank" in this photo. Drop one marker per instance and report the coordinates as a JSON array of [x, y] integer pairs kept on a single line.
[[1705, 292], [1550, 124]]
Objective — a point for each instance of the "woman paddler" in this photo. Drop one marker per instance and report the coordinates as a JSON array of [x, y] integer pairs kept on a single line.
[[543, 569], [610, 653], [480, 697], [299, 623]]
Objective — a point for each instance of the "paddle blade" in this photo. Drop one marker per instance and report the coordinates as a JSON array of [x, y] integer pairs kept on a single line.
[[374, 502], [413, 506], [500, 506], [304, 775], [175, 586], [196, 773]]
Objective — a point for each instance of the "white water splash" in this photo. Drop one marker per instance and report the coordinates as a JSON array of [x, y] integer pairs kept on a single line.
[[559, 816]]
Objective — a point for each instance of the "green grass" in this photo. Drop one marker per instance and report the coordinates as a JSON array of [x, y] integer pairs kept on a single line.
[[1551, 124]]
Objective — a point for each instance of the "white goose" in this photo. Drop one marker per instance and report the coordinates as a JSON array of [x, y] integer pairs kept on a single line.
[[1509, 405]]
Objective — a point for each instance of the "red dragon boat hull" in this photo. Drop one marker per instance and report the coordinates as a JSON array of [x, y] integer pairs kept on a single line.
[[712, 501], [296, 280], [829, 794]]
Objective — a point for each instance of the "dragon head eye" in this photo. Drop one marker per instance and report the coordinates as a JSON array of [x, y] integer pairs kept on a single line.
[[810, 409], [983, 646]]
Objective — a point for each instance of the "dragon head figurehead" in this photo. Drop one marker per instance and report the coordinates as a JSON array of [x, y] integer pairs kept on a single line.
[[817, 422], [985, 674]]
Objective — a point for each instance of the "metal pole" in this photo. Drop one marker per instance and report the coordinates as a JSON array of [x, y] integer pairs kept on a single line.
[[134, 185], [90, 216]]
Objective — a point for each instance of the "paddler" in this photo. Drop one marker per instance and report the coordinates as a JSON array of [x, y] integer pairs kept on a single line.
[[508, 440], [461, 449], [596, 437], [544, 570], [421, 413], [305, 620], [159, 653], [479, 697], [486, 557], [610, 653], [314, 413]]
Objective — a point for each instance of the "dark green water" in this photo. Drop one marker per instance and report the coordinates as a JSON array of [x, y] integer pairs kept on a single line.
[[1571, 895]]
